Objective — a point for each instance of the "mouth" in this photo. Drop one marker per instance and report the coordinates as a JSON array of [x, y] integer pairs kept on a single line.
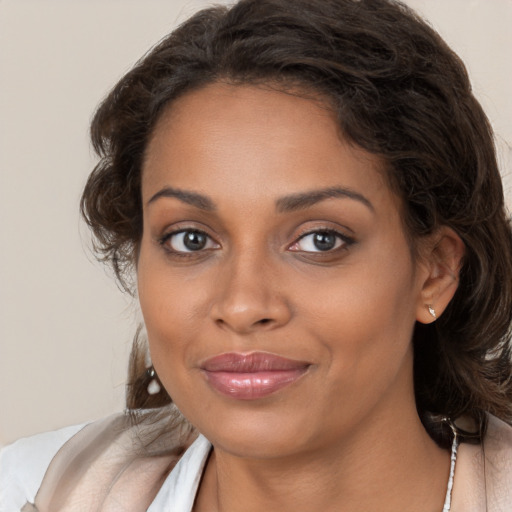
[[251, 376]]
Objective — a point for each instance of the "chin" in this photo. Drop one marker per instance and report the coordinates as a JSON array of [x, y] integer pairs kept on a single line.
[[256, 432]]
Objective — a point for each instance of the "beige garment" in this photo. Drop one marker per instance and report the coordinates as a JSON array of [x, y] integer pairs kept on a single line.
[[114, 466], [483, 474]]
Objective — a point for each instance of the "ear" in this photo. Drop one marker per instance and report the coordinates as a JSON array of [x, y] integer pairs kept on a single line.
[[441, 261]]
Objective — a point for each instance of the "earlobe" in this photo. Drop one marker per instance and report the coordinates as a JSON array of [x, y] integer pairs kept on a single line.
[[442, 260]]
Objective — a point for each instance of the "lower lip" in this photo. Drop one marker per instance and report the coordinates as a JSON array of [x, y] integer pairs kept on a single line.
[[251, 386]]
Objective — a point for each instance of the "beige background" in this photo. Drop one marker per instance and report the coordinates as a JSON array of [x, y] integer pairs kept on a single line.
[[65, 329]]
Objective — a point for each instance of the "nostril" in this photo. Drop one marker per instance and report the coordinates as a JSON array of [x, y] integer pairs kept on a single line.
[[243, 326]]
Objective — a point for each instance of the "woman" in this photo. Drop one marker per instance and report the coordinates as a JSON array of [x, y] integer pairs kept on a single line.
[[308, 195]]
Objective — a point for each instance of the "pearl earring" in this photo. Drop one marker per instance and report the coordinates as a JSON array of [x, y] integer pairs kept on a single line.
[[154, 386]]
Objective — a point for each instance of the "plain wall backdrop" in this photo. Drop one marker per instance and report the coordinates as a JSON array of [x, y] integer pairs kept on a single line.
[[65, 328]]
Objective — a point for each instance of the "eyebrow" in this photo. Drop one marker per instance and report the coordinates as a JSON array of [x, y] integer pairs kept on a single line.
[[304, 200], [198, 200], [290, 203]]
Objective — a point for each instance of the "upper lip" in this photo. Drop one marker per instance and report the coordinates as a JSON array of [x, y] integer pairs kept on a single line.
[[252, 362]]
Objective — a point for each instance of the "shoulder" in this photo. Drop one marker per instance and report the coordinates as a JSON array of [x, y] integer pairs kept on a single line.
[[24, 463], [499, 434], [120, 460], [498, 463], [483, 472]]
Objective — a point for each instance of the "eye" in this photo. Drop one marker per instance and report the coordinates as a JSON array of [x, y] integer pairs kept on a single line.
[[320, 241], [190, 240]]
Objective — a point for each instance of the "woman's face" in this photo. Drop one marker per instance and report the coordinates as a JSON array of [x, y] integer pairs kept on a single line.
[[275, 279]]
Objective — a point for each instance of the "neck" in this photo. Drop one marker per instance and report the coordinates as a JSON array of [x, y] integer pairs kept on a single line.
[[385, 469]]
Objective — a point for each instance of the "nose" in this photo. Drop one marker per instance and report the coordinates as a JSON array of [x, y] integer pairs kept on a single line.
[[248, 297]]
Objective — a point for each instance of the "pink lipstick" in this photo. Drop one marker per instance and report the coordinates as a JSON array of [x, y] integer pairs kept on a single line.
[[251, 376]]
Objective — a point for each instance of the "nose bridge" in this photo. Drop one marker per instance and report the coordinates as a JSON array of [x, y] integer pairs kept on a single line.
[[248, 297]]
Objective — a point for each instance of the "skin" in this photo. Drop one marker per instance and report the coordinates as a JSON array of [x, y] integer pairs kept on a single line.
[[346, 435]]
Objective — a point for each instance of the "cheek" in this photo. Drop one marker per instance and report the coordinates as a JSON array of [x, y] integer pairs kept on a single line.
[[365, 318], [375, 290], [167, 304], [175, 309]]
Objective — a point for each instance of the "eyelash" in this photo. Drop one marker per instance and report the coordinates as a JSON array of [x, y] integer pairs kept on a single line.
[[163, 241], [346, 242]]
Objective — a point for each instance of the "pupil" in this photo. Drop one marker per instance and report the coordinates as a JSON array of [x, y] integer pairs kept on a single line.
[[194, 241], [324, 241]]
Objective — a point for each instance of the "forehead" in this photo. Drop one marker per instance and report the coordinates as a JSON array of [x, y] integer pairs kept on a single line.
[[251, 140]]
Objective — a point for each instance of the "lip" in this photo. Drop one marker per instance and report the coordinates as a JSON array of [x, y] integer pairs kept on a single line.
[[251, 376]]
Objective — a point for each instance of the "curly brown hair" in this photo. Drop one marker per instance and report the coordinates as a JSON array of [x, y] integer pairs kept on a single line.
[[399, 92]]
